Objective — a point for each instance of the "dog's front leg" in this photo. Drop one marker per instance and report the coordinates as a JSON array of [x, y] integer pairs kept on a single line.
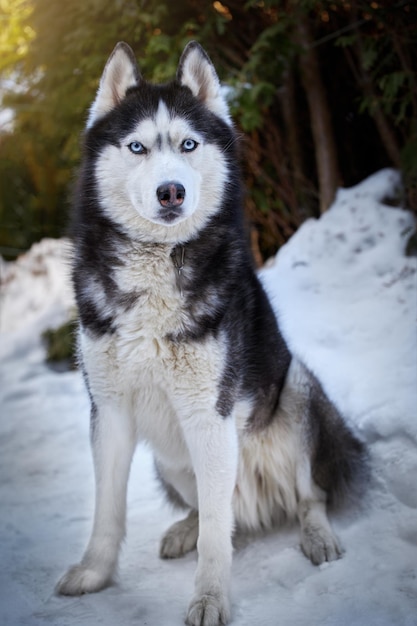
[[212, 442], [113, 445]]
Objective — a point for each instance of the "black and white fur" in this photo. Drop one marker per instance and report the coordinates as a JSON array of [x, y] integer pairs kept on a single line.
[[179, 344]]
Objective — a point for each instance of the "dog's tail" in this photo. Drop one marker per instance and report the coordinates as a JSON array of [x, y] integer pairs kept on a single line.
[[339, 459]]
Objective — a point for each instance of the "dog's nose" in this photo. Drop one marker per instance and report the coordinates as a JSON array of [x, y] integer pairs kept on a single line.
[[170, 195]]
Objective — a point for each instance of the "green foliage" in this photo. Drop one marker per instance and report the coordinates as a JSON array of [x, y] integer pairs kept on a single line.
[[384, 48], [61, 346], [393, 86], [246, 105], [15, 33], [260, 76]]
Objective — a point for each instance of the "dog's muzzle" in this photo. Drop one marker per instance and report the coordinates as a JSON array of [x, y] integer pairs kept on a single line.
[[171, 197]]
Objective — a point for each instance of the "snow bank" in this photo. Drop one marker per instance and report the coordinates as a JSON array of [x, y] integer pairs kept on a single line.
[[36, 289], [345, 294], [347, 301]]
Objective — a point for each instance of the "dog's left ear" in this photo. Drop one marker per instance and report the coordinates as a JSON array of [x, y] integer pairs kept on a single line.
[[120, 73], [196, 71]]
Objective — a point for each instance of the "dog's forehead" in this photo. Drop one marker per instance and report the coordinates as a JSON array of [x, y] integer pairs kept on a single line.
[[165, 124]]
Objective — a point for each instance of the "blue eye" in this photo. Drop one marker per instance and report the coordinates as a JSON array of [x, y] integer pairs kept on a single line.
[[137, 148], [188, 145]]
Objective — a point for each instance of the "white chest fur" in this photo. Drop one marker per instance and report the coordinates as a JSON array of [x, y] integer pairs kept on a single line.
[[139, 370]]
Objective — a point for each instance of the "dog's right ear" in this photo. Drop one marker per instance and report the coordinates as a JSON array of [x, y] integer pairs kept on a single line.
[[120, 73]]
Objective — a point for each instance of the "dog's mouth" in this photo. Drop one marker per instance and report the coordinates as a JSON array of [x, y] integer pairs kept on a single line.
[[170, 215]]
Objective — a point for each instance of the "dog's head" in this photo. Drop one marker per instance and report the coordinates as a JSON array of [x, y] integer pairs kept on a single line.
[[160, 153]]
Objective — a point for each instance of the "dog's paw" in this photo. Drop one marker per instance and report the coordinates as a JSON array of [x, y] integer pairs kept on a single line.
[[80, 579], [208, 610], [320, 545], [180, 538]]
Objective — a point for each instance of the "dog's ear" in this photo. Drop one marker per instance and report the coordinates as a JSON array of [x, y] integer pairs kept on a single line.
[[120, 73], [196, 71]]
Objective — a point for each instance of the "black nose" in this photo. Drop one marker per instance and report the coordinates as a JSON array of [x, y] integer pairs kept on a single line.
[[170, 195]]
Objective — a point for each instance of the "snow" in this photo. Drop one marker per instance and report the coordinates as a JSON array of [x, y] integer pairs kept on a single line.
[[347, 300]]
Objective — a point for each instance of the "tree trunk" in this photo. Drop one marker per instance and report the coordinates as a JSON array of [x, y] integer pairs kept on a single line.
[[289, 110], [385, 130], [324, 145], [382, 123]]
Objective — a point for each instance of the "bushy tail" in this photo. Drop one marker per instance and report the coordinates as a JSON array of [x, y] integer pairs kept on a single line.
[[339, 459]]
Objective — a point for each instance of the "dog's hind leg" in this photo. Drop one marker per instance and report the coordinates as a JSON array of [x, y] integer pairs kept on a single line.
[[298, 399], [180, 538], [113, 445], [181, 490], [318, 540]]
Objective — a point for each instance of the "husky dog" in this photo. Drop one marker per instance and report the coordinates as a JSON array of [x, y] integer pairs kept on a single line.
[[179, 344]]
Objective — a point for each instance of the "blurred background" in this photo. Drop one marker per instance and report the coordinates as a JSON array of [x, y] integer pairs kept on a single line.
[[323, 93]]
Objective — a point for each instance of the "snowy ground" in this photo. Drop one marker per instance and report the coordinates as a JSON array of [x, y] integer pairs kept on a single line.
[[347, 298]]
